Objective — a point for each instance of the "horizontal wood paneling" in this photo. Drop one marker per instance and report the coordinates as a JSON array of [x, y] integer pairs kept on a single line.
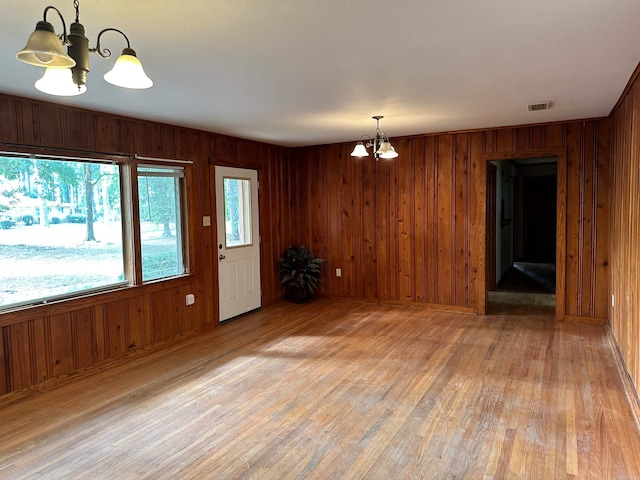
[[624, 225], [418, 239], [52, 341]]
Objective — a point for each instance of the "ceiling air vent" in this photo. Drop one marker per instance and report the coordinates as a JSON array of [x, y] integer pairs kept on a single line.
[[539, 106]]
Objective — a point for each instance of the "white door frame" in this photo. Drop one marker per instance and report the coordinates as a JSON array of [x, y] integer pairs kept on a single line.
[[238, 253]]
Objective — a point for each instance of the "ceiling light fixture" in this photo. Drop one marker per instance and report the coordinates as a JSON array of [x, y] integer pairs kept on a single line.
[[381, 145], [66, 72]]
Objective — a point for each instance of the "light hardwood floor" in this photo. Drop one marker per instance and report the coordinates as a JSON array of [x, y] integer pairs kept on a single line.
[[341, 390]]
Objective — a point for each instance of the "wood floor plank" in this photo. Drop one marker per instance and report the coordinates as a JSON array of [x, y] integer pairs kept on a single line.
[[341, 390]]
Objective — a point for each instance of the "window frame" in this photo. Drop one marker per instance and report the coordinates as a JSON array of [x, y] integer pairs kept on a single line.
[[247, 224], [181, 213], [130, 215]]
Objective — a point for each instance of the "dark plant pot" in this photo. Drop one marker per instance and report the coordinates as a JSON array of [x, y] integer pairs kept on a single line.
[[296, 294]]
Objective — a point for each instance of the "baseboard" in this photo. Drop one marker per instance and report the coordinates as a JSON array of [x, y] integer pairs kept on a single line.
[[402, 303], [629, 389], [585, 320]]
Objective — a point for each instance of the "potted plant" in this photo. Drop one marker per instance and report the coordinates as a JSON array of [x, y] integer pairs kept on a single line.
[[300, 273]]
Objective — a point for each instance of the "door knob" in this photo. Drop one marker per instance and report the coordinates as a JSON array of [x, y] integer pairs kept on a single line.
[[221, 257]]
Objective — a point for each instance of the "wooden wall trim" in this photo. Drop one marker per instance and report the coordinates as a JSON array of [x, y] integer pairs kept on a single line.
[[561, 221], [585, 320], [625, 377]]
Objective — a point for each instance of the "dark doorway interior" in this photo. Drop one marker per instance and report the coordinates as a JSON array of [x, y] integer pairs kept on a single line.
[[526, 280], [491, 227], [539, 219]]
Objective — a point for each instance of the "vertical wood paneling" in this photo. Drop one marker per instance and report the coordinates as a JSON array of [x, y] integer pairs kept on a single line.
[[524, 138], [624, 225], [587, 239], [356, 207], [27, 131], [369, 229], [4, 366], [536, 138], [432, 218], [475, 191], [126, 136], [9, 122], [422, 209], [35, 349], [83, 337], [575, 170], [115, 328], [108, 133], [99, 335], [303, 189], [62, 357], [561, 235], [177, 307], [383, 268], [226, 148], [420, 222], [48, 124], [40, 346], [138, 334], [91, 138], [461, 220], [333, 246], [505, 140], [393, 232], [400, 230], [406, 208], [187, 312], [161, 315], [445, 239], [74, 131], [554, 135], [601, 221], [19, 352]]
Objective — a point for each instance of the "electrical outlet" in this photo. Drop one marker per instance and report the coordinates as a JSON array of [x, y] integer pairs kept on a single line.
[[190, 299], [206, 221], [338, 272], [613, 300]]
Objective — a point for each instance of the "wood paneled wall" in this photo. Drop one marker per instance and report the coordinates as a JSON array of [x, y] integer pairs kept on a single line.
[[406, 230], [625, 231], [53, 341]]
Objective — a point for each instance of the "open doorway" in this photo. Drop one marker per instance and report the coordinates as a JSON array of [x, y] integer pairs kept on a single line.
[[521, 235]]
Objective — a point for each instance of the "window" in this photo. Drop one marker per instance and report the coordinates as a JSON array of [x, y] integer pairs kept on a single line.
[[237, 211], [61, 226], [160, 221]]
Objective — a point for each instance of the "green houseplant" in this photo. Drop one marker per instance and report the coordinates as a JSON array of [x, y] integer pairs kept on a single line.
[[300, 273]]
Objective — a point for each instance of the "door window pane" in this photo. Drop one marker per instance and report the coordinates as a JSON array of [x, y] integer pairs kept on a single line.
[[160, 195], [237, 211]]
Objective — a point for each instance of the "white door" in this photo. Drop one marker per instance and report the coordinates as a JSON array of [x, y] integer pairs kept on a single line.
[[238, 241]]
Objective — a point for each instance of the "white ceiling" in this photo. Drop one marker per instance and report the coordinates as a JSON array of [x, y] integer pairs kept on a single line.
[[307, 72]]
